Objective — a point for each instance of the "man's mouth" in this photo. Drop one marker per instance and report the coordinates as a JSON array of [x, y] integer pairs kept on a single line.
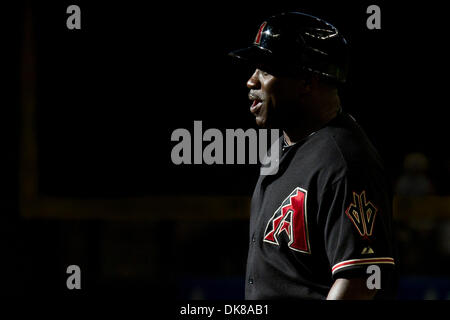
[[256, 105]]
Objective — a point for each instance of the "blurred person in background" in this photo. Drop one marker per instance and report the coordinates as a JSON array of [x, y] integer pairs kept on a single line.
[[415, 181]]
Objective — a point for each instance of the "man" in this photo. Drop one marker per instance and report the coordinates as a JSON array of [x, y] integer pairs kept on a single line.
[[321, 226]]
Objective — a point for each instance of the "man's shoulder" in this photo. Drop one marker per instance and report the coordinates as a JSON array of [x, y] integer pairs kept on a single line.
[[343, 145]]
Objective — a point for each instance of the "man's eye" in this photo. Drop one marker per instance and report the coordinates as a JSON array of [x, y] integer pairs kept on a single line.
[[263, 73]]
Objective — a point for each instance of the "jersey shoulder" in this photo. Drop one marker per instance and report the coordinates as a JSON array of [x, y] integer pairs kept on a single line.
[[342, 147]]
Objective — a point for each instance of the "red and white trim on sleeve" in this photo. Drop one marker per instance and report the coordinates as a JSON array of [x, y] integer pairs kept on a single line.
[[357, 262]]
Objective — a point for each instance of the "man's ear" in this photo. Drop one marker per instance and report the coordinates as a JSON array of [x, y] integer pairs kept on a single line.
[[309, 82], [305, 84]]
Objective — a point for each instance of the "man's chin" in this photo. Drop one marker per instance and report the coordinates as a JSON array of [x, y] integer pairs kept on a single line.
[[260, 122], [263, 123]]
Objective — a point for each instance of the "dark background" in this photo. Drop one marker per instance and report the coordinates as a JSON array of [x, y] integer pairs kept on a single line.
[[109, 96]]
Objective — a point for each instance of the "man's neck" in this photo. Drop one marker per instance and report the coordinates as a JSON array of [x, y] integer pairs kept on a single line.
[[294, 134]]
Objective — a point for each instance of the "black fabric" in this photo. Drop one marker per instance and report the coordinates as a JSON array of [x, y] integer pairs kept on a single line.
[[329, 206]]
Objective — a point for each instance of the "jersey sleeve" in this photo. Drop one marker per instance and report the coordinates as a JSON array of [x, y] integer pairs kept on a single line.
[[356, 213]]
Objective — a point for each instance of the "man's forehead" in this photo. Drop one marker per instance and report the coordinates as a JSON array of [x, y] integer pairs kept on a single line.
[[280, 74]]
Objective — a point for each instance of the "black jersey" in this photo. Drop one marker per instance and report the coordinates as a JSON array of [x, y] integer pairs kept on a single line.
[[326, 214]]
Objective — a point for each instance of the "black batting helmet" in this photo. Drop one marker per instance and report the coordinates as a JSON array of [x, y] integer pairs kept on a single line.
[[294, 43]]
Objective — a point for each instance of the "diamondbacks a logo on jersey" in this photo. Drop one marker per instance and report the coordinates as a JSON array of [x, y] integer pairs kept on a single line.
[[362, 213], [258, 35], [291, 219]]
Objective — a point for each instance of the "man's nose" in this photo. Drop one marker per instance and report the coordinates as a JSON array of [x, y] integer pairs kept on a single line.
[[253, 82]]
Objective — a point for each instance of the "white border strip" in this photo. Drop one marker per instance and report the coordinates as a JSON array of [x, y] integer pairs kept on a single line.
[[356, 262]]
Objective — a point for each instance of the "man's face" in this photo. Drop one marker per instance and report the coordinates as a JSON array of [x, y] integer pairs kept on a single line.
[[273, 97]]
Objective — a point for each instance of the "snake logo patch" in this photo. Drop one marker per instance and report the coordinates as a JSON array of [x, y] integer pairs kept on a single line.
[[362, 213]]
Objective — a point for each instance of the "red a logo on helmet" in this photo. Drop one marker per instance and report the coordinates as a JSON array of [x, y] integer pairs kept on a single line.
[[258, 35], [291, 219]]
